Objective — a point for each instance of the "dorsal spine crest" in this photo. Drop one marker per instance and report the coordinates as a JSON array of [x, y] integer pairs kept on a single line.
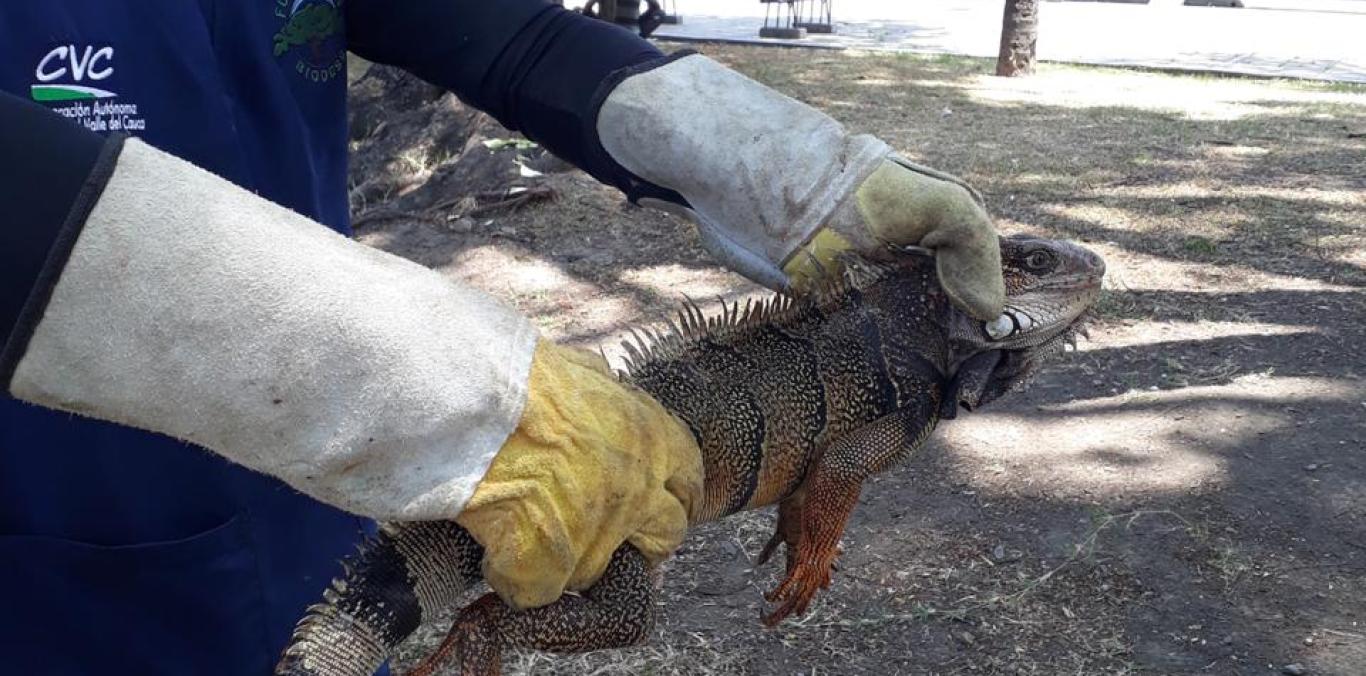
[[693, 325]]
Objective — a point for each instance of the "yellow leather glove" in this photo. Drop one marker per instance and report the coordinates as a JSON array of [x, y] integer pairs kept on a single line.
[[902, 203], [592, 463]]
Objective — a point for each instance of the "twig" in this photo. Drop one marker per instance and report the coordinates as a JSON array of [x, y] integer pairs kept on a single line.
[[1085, 544], [1288, 569], [432, 215], [512, 202], [385, 215]]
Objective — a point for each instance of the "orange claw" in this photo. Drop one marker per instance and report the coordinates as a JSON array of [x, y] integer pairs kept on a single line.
[[809, 575], [433, 663], [769, 547]]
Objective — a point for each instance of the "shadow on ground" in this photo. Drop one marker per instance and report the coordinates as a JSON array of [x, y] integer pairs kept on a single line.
[[1183, 495]]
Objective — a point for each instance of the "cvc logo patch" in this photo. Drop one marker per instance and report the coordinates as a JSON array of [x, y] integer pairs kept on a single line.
[[312, 36], [71, 78], [60, 72]]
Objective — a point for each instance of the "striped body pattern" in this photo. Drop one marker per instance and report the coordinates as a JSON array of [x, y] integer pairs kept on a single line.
[[764, 387]]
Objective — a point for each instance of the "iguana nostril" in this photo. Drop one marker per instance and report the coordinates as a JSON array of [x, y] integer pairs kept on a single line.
[[1095, 260]]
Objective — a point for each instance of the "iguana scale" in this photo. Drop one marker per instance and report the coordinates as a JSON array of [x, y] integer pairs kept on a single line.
[[792, 402]]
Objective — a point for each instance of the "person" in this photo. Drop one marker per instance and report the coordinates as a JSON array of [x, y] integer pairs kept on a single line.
[[175, 272]]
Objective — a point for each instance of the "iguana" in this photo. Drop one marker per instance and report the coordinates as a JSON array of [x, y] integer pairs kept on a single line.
[[792, 402]]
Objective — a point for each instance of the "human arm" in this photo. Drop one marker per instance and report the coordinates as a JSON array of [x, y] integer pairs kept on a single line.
[[776, 188], [143, 290], [534, 66]]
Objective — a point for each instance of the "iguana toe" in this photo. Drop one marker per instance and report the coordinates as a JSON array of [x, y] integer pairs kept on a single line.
[[789, 549], [807, 576], [471, 641]]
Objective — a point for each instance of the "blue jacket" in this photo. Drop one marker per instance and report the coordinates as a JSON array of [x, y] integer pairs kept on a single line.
[[126, 552]]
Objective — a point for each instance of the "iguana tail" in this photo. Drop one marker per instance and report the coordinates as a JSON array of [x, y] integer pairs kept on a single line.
[[397, 581]]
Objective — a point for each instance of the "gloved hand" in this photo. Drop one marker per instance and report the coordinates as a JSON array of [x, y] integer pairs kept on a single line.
[[904, 203], [593, 462], [777, 187], [186, 305]]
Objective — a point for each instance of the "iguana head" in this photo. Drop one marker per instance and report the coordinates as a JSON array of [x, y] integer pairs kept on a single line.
[[1050, 285]]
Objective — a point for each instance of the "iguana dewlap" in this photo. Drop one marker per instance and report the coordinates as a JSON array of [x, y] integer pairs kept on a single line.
[[792, 402]]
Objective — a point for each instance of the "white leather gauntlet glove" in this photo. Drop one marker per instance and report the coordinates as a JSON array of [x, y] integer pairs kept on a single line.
[[194, 308], [777, 188]]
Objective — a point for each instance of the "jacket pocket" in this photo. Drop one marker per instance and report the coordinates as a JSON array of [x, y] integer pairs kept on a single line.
[[192, 605]]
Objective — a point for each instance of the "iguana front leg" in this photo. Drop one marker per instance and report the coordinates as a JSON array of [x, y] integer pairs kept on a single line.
[[831, 492], [616, 612]]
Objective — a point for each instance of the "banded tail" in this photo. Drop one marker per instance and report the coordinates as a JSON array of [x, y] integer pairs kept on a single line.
[[401, 578]]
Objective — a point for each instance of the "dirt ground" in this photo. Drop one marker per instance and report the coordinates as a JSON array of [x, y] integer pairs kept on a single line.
[[1184, 495]]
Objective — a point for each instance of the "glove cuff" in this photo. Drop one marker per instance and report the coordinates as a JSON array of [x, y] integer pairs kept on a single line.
[[764, 169], [191, 307]]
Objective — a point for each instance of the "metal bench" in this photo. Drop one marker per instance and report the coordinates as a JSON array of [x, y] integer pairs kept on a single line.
[[627, 13], [780, 20], [814, 16]]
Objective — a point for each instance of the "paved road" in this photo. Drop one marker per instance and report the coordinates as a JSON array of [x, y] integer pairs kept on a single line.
[[1315, 39]]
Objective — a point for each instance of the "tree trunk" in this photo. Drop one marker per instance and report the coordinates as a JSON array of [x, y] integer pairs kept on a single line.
[[628, 11], [607, 10], [1019, 33]]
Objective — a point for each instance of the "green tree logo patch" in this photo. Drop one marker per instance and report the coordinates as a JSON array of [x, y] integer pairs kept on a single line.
[[313, 36]]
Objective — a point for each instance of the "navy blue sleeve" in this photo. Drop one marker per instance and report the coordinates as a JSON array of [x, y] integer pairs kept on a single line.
[[535, 67], [51, 173]]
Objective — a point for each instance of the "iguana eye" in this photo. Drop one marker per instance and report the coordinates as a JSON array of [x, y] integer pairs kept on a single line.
[[1038, 261]]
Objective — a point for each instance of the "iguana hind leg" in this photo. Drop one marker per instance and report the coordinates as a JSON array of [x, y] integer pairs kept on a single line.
[[617, 611], [831, 492], [788, 532]]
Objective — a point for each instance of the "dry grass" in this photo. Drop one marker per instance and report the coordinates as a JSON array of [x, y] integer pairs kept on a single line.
[[1232, 213], [1199, 169]]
